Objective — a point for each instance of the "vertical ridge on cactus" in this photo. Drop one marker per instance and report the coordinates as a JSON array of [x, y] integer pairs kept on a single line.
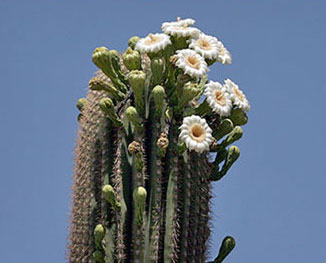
[[149, 145]]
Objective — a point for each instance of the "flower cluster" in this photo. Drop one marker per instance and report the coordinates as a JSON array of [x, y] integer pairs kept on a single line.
[[191, 52]]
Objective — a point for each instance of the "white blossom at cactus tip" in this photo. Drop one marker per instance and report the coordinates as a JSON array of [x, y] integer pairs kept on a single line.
[[153, 43], [224, 56], [191, 63], [237, 96], [207, 46], [218, 98], [181, 29], [180, 22], [196, 133]]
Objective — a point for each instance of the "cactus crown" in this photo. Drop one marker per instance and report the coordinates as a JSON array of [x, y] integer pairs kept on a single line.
[[147, 127]]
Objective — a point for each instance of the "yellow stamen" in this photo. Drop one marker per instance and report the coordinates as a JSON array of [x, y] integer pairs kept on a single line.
[[152, 39], [238, 93], [204, 44], [197, 133], [220, 98], [193, 62]]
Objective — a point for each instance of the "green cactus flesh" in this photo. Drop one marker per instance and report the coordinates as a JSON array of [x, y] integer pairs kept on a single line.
[[152, 137]]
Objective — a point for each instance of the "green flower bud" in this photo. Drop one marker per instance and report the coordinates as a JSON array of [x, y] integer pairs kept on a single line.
[[102, 59], [115, 60], [137, 81], [98, 256], [133, 41], [157, 68], [189, 92], [81, 104], [231, 156], [226, 126], [233, 136], [110, 196], [99, 233], [239, 117], [107, 107], [98, 83], [133, 116], [132, 59], [139, 197], [159, 99], [227, 246]]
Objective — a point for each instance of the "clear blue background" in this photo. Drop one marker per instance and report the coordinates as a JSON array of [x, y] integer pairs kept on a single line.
[[273, 199]]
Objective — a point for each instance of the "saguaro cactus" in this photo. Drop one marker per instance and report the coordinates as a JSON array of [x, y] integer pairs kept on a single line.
[[154, 134]]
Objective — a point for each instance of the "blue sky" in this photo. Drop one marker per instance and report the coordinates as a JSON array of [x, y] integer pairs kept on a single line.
[[273, 199]]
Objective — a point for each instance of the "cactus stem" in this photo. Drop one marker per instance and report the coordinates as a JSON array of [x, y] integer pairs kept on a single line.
[[185, 204], [171, 215]]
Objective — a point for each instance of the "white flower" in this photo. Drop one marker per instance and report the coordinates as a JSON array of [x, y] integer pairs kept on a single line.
[[224, 55], [191, 63], [181, 28], [185, 22], [207, 46], [237, 96], [218, 98], [153, 43], [196, 134]]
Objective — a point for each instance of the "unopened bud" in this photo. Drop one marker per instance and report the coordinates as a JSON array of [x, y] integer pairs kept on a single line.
[[157, 68], [99, 233], [133, 41], [132, 59], [139, 196], [102, 59], [233, 136], [115, 60], [137, 82], [81, 104], [107, 107], [110, 196], [227, 246], [159, 99], [225, 127], [239, 117], [231, 156], [190, 91], [133, 116], [98, 256], [98, 83]]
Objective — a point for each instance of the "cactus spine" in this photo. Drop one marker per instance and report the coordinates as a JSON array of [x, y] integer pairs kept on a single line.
[[148, 127]]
